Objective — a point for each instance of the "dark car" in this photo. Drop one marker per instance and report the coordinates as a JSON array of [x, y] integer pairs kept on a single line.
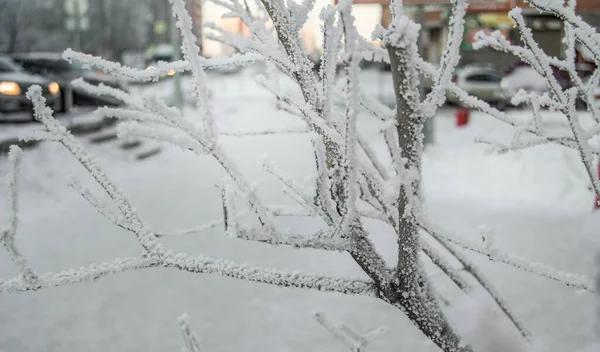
[[54, 66], [14, 83]]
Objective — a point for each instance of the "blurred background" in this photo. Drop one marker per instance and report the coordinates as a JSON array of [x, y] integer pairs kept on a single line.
[[110, 28], [139, 33], [121, 30]]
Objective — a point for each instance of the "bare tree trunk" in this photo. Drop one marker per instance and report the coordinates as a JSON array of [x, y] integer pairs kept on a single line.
[[410, 140], [414, 295]]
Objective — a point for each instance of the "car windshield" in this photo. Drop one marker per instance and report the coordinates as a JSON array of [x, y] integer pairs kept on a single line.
[[61, 66], [7, 65]]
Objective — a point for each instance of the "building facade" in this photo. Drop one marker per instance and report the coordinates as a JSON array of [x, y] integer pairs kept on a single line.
[[486, 15]]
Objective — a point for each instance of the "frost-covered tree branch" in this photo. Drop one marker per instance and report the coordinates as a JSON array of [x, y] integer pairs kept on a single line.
[[7, 237], [352, 182], [189, 338], [354, 341], [560, 99], [161, 69], [578, 281], [155, 255], [44, 114], [197, 265], [469, 267], [449, 60]]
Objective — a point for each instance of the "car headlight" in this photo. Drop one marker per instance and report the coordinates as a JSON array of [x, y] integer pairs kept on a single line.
[[504, 84], [54, 88], [10, 88], [171, 73]]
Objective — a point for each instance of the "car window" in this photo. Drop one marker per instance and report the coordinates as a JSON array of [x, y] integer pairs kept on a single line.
[[8, 65], [494, 78], [59, 65], [484, 78], [476, 78], [28, 65]]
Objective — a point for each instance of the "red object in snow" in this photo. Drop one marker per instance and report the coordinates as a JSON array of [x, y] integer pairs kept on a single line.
[[462, 117]]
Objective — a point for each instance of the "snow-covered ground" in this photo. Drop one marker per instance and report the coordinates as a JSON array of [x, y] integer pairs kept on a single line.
[[22, 123], [537, 202]]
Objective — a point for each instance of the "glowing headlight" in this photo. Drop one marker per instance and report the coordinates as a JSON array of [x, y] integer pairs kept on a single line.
[[150, 68], [10, 88], [171, 73], [504, 84], [54, 88]]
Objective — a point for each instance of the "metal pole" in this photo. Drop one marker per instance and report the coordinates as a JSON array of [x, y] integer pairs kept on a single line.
[[77, 25], [104, 37], [176, 42], [196, 9], [428, 126]]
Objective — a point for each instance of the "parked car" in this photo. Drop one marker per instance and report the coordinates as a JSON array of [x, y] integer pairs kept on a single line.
[[480, 81], [54, 66], [522, 76], [14, 83], [526, 78]]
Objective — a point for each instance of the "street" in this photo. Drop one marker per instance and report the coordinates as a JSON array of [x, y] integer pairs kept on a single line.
[[92, 130]]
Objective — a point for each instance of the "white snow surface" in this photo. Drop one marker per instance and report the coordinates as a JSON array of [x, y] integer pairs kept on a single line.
[[536, 202]]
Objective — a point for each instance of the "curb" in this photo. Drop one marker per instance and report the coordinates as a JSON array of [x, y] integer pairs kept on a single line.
[[77, 129]]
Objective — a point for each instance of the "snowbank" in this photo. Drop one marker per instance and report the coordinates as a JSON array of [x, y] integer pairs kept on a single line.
[[523, 197]]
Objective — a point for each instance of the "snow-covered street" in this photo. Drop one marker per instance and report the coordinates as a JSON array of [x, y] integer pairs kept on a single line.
[[536, 203]]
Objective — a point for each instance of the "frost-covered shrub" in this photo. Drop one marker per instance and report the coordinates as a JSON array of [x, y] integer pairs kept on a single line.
[[351, 182]]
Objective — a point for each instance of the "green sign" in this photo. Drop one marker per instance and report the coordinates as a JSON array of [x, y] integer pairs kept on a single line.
[[486, 22]]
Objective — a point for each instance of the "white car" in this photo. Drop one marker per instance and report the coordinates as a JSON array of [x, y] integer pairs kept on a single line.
[[480, 81], [525, 78]]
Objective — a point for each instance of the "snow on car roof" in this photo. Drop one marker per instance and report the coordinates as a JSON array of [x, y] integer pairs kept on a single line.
[[475, 68], [478, 66]]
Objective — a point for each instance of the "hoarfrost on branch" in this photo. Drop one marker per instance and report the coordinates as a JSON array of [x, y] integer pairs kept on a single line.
[[352, 182]]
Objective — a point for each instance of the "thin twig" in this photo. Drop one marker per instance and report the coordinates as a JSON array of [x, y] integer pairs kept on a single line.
[[569, 279], [7, 236], [198, 265]]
